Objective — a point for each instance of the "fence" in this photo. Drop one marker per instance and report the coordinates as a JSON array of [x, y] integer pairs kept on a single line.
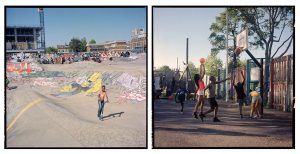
[[282, 83]]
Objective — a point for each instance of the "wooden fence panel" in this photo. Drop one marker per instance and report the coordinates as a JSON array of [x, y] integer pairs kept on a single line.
[[281, 87]]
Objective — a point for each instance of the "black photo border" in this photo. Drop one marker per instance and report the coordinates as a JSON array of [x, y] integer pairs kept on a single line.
[[152, 85]]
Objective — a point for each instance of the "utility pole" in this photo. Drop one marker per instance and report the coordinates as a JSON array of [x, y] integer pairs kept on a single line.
[[177, 63], [226, 64], [187, 62]]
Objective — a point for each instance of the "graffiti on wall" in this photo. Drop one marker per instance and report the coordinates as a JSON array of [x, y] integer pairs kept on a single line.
[[90, 85], [47, 82], [128, 81], [133, 95], [24, 67], [128, 87], [19, 67]]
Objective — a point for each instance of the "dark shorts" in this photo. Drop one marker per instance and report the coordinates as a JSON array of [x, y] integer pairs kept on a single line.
[[213, 103], [180, 98], [242, 101]]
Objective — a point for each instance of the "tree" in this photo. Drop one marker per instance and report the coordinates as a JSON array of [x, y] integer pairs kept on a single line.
[[165, 69], [193, 69], [218, 38], [267, 24], [264, 22], [240, 64], [92, 41], [213, 63], [50, 50], [75, 45], [83, 45]]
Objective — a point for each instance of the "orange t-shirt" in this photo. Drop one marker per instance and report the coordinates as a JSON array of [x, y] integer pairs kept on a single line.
[[201, 85]]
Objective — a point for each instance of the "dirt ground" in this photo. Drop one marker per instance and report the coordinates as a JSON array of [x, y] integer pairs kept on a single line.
[[36, 118]]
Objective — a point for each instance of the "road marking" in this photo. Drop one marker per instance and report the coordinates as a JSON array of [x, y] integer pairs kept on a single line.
[[28, 106]]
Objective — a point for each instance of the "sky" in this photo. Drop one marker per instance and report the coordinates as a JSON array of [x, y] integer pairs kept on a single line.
[[62, 24], [171, 27]]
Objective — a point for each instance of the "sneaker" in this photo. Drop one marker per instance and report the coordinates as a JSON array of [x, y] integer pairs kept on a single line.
[[241, 116], [181, 112], [216, 119], [202, 116], [195, 115]]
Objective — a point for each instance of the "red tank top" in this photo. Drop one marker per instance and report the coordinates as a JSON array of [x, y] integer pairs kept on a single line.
[[201, 85]]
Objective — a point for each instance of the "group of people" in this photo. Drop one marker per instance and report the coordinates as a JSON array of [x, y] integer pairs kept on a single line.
[[238, 81], [66, 58]]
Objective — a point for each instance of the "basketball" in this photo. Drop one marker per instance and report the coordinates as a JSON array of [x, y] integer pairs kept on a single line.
[[237, 51], [202, 60]]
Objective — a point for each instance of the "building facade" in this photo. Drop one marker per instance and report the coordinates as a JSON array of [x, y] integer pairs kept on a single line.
[[95, 48], [63, 48], [138, 41], [116, 46], [23, 39]]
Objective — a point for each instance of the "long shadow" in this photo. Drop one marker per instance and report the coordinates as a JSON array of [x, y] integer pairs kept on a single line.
[[12, 87], [113, 115], [168, 113], [208, 131]]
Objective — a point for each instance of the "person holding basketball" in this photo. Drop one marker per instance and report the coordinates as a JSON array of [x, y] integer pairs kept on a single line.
[[200, 91]]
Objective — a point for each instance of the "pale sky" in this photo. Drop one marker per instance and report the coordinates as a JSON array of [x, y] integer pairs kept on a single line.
[[171, 27], [62, 24]]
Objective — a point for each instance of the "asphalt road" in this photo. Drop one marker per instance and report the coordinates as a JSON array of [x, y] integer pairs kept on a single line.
[[172, 129]]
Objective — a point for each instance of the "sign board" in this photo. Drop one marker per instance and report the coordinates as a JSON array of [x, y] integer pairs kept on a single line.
[[242, 39], [254, 74]]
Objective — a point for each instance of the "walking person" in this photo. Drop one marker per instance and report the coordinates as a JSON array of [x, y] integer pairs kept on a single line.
[[200, 92], [240, 92], [102, 95], [212, 98], [180, 97]]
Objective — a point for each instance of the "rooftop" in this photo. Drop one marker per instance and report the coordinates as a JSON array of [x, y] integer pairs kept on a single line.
[[23, 26]]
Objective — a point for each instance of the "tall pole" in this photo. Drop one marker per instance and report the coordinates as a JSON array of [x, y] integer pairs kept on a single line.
[[226, 64], [262, 85], [177, 63], [42, 24], [187, 62]]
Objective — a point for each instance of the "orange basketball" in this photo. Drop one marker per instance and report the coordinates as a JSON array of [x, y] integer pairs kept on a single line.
[[202, 60], [237, 51]]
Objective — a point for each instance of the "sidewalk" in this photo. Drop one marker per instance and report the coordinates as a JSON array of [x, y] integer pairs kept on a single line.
[[171, 129]]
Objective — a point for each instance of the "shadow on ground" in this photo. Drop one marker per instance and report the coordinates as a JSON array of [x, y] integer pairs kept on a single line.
[[168, 118], [113, 115]]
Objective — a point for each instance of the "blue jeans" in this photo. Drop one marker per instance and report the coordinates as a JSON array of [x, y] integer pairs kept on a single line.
[[101, 108]]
